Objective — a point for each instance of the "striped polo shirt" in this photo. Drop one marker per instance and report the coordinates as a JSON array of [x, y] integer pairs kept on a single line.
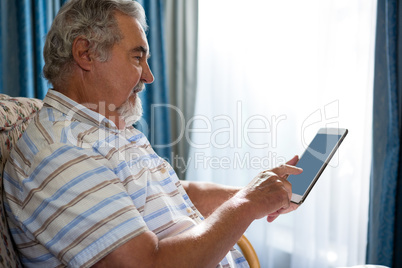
[[76, 188]]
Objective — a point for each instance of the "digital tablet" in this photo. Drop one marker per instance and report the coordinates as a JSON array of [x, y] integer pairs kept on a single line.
[[314, 160]]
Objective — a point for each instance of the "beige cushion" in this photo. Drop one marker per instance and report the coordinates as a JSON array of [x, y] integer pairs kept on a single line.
[[15, 114]]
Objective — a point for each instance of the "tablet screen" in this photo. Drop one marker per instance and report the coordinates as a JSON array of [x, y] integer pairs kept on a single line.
[[312, 160]]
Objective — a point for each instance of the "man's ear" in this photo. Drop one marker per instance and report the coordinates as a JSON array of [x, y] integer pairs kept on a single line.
[[81, 53]]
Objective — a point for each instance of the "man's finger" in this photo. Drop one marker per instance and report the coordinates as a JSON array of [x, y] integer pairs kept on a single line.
[[285, 170], [293, 161], [271, 217]]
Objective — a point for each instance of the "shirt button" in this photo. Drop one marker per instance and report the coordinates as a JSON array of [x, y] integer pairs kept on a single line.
[[189, 210]]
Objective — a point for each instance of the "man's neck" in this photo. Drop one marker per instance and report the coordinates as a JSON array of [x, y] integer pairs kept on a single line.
[[82, 95]]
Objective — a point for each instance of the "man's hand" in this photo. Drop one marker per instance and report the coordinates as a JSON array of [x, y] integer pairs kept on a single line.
[[270, 192], [209, 196], [271, 217]]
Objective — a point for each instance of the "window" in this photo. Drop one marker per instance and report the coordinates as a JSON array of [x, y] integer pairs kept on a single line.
[[271, 73]]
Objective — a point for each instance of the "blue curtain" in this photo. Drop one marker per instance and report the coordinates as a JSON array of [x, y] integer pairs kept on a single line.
[[156, 96], [24, 25], [385, 221]]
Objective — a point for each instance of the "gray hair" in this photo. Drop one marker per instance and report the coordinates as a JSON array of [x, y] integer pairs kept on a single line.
[[92, 19]]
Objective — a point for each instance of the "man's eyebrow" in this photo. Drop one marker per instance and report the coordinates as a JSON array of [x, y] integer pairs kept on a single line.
[[141, 49]]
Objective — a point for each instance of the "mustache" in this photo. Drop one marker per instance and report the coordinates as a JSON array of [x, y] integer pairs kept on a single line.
[[139, 87]]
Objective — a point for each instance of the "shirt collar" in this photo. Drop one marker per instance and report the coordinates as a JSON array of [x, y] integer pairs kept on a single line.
[[74, 110]]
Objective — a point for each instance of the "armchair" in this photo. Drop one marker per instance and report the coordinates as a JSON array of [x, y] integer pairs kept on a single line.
[[15, 114]]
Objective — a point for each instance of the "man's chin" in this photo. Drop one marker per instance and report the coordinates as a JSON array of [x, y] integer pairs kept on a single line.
[[131, 110]]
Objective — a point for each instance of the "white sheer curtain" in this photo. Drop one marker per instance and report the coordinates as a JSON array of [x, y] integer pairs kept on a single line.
[[271, 73]]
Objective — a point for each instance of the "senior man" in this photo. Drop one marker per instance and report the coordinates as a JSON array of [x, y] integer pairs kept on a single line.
[[84, 188]]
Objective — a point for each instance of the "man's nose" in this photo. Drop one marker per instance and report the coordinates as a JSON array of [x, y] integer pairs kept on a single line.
[[147, 76]]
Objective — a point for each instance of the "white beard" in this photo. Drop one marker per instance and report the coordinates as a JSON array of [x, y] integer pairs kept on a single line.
[[131, 112]]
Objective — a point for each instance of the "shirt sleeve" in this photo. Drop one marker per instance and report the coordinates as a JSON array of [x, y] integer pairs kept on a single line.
[[75, 206]]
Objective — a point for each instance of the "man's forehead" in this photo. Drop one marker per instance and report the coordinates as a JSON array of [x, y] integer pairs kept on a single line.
[[130, 28], [126, 22]]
